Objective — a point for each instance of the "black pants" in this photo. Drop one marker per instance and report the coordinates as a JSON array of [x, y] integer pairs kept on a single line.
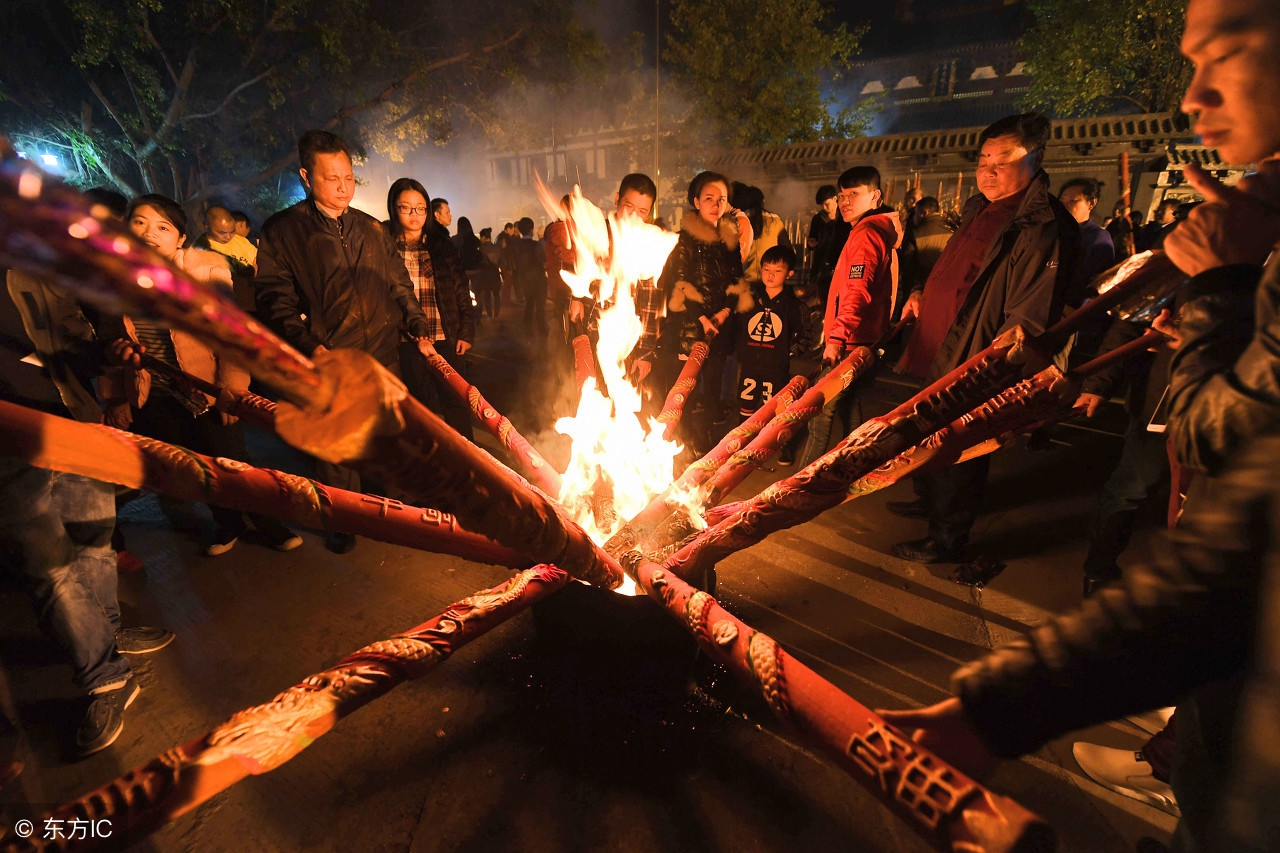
[[165, 419], [1141, 474], [953, 495], [430, 390]]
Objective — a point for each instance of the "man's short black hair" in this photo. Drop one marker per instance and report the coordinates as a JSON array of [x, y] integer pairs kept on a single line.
[[110, 199], [860, 176], [315, 142], [825, 192], [508, 225], [1171, 203], [486, 232], [436, 204], [639, 182], [928, 205], [1032, 130], [526, 226], [240, 216], [779, 254], [1091, 188]]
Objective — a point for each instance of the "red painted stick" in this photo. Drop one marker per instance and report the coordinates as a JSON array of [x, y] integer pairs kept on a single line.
[[824, 483], [495, 423], [673, 408], [944, 805], [127, 459], [257, 740], [584, 361]]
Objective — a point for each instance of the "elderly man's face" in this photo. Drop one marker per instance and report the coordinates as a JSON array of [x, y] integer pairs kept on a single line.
[[1234, 45], [1004, 167]]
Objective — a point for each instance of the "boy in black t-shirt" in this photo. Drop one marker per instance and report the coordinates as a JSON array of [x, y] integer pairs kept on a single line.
[[768, 337]]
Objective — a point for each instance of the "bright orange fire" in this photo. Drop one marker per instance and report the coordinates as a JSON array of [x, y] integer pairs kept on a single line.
[[612, 452]]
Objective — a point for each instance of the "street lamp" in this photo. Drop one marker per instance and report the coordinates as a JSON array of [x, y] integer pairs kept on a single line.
[[49, 160]]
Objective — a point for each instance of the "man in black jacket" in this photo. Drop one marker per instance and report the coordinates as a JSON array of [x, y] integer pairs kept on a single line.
[[1010, 264], [328, 279], [1208, 622]]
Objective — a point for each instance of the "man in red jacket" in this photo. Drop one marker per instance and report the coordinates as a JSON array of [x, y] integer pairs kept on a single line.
[[863, 288]]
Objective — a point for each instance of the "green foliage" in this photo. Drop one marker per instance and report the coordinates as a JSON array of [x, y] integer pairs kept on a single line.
[[753, 70], [1087, 58], [206, 98]]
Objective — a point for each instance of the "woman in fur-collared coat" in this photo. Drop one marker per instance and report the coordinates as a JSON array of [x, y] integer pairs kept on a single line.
[[704, 287]]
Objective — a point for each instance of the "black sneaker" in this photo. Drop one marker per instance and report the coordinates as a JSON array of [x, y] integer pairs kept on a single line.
[[340, 543], [223, 541], [104, 721], [279, 537], [141, 641]]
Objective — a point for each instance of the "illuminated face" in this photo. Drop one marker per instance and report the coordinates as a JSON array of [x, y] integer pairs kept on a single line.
[[331, 181], [444, 215], [156, 230], [242, 228], [411, 211], [774, 275], [712, 202], [831, 207], [855, 201], [1077, 203], [221, 227], [1005, 168], [634, 203], [1233, 45]]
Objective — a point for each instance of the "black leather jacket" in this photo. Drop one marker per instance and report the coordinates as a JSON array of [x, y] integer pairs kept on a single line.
[[1225, 378], [702, 276], [334, 282]]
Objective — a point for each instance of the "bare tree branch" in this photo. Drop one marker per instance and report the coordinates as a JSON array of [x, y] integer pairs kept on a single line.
[[146, 28], [111, 110], [227, 100]]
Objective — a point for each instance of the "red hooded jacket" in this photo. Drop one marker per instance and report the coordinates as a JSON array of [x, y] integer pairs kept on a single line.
[[865, 282]]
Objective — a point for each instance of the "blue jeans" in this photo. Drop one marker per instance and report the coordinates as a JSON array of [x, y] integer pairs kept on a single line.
[[59, 527]]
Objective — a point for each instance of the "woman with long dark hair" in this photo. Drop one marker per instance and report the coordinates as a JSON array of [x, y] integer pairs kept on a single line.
[[151, 404], [440, 283], [704, 286]]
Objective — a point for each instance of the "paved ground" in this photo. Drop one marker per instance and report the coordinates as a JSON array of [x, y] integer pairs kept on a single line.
[[534, 739]]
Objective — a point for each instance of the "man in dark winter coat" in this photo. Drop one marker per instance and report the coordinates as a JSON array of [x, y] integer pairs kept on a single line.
[[1010, 264], [1203, 629], [328, 278]]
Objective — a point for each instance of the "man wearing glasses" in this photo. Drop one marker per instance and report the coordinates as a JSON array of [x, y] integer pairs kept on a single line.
[[1009, 264]]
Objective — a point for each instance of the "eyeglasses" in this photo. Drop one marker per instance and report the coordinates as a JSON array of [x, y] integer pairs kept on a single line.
[[404, 208]]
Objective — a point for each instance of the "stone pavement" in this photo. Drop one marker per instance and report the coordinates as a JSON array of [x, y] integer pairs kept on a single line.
[[588, 725]]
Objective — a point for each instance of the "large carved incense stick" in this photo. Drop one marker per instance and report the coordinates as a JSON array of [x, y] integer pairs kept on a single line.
[[258, 740], [537, 468], [248, 407], [126, 459], [584, 361], [696, 474], [824, 483], [673, 408], [786, 424], [343, 407], [679, 523], [947, 807]]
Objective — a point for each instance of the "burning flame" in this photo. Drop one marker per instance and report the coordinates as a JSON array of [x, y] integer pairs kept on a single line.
[[617, 464]]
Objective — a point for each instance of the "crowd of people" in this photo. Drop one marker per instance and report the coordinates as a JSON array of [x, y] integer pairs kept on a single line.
[[1199, 630]]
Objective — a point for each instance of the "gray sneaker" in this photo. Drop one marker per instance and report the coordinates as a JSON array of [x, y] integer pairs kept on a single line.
[[104, 721], [143, 640]]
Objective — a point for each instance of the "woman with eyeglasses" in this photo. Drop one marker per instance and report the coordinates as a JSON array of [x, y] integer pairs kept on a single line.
[[440, 283]]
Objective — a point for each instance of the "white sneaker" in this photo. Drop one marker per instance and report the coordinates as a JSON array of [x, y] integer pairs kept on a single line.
[[1152, 722], [1125, 772]]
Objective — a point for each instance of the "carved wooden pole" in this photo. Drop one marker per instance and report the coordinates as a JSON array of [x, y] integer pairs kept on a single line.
[[537, 468], [673, 408], [258, 740], [127, 459], [944, 805]]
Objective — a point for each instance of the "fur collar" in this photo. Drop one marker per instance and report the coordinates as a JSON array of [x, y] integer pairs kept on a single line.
[[726, 232]]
